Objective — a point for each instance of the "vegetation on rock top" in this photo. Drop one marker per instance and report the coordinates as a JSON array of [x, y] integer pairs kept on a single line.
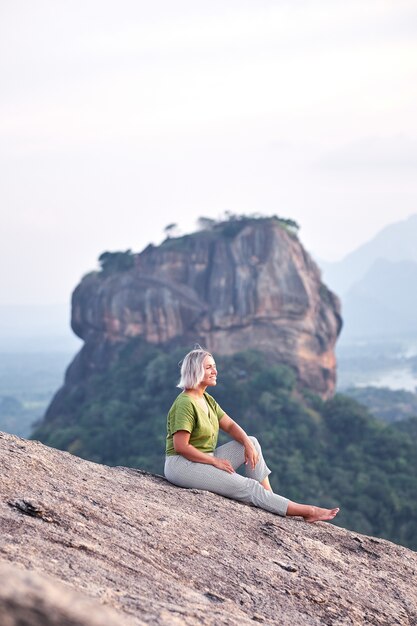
[[228, 226], [111, 262]]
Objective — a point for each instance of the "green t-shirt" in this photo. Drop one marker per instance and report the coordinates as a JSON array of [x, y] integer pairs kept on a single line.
[[186, 414]]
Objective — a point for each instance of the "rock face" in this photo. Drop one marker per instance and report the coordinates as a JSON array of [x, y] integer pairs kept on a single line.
[[248, 285], [28, 598], [161, 555]]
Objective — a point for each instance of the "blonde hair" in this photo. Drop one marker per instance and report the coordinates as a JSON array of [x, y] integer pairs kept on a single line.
[[192, 370]]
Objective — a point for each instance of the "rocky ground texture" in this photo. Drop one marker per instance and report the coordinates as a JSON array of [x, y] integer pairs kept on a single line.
[[85, 544]]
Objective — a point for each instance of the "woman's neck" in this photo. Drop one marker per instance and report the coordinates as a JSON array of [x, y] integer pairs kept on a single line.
[[197, 392]]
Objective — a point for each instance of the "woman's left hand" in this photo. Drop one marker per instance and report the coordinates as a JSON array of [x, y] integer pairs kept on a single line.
[[251, 455]]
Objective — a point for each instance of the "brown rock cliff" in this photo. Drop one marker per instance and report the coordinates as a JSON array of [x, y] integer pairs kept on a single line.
[[248, 285]]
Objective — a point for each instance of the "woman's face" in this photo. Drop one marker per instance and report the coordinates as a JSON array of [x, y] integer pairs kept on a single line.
[[210, 372]]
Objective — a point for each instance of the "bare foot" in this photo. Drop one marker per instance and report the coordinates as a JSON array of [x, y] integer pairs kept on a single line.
[[320, 515]]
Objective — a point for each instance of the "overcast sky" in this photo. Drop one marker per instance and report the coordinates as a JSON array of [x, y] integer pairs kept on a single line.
[[120, 117]]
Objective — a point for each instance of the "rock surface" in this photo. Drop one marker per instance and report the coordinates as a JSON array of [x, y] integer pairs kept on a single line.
[[253, 287], [161, 555], [28, 598]]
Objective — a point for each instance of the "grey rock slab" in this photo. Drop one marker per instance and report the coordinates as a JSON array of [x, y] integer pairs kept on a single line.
[[30, 599], [158, 554]]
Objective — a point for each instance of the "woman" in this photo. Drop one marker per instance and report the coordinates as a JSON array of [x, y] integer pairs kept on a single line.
[[192, 459]]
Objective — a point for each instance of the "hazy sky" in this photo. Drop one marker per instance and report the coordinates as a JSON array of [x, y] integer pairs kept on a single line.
[[120, 117]]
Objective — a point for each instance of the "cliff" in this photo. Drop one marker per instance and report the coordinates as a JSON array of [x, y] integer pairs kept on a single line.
[[93, 544], [245, 284]]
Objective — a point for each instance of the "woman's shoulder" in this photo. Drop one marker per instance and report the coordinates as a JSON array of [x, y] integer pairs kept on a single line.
[[182, 399]]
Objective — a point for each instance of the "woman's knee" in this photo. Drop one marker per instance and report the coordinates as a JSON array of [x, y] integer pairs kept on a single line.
[[255, 442]]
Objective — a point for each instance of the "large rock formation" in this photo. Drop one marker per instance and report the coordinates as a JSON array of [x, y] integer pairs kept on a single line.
[[161, 555], [245, 284]]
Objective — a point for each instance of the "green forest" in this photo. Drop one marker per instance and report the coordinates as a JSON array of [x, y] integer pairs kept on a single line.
[[330, 453]]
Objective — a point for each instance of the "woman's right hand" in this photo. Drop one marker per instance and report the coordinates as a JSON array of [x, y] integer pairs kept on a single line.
[[223, 464]]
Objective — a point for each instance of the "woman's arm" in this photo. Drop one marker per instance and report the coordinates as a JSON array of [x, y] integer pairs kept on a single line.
[[182, 446], [236, 432]]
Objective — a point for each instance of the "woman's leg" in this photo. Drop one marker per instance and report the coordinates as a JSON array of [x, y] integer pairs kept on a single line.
[[254, 489], [235, 453], [266, 484], [184, 473]]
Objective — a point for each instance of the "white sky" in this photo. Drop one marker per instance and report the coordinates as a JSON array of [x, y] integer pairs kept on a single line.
[[120, 117]]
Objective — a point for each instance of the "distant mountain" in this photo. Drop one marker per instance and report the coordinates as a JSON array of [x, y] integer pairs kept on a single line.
[[383, 302], [377, 282], [396, 242]]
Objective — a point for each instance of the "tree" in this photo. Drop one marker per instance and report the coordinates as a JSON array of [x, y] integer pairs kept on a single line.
[[171, 230], [116, 261]]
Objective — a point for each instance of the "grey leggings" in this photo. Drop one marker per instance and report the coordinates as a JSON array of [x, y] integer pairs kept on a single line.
[[184, 473]]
